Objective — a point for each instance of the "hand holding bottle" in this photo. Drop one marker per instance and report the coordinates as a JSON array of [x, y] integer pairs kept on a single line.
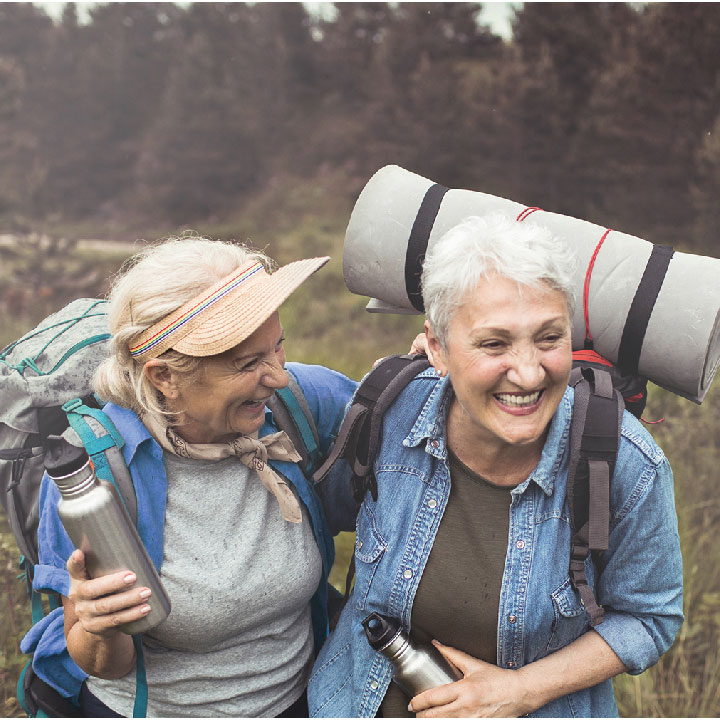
[[103, 603]]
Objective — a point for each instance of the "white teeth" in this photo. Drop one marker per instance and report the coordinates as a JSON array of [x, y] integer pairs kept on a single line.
[[518, 400]]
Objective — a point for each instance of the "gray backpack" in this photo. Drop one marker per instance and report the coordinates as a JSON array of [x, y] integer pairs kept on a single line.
[[45, 389]]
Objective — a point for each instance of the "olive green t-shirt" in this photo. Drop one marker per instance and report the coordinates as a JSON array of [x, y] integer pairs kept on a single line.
[[459, 593]]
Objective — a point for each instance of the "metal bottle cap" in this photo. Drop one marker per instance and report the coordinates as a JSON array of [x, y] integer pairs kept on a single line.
[[62, 458]]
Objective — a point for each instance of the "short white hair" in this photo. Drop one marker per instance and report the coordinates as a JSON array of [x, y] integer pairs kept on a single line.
[[151, 285], [491, 245]]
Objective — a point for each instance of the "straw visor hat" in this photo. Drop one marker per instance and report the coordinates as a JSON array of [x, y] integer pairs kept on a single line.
[[226, 313]]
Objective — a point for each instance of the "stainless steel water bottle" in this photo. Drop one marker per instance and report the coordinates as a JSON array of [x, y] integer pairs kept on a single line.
[[416, 667], [94, 516]]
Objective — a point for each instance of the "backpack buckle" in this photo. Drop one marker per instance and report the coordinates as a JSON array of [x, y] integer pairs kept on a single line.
[[72, 405]]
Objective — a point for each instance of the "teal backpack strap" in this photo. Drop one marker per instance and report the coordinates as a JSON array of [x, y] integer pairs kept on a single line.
[[98, 447], [21, 689], [103, 443], [141, 688], [292, 414]]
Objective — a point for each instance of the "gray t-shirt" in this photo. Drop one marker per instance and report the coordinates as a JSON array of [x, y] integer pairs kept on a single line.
[[238, 640]]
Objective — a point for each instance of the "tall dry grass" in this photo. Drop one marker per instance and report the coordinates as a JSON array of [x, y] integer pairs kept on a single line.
[[686, 681]]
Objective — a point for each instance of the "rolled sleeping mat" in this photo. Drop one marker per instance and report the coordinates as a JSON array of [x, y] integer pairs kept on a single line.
[[652, 311]]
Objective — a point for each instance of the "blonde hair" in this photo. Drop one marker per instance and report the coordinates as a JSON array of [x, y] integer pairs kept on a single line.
[[149, 286]]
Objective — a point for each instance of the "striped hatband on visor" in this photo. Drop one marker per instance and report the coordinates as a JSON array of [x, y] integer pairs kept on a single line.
[[159, 332]]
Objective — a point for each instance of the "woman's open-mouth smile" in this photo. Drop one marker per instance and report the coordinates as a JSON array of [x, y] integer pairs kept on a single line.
[[519, 403]]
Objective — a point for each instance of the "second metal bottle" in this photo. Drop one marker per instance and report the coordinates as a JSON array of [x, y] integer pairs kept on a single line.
[[95, 518], [416, 667]]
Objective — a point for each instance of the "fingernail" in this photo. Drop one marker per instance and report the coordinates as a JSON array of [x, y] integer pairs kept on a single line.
[[129, 579], [410, 708], [145, 609], [145, 593]]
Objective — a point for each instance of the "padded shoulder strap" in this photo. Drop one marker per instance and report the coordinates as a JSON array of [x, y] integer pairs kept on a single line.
[[104, 444], [359, 434], [292, 414], [594, 440]]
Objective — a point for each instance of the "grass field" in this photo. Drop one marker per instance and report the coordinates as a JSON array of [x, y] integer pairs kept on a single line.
[[327, 325]]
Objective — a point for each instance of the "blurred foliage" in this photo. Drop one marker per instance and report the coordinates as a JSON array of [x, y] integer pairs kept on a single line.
[[159, 115]]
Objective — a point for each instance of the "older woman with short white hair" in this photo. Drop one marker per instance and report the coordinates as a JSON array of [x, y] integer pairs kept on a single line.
[[240, 537], [468, 542]]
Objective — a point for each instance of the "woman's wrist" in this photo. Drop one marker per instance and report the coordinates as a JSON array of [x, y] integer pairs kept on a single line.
[[109, 656]]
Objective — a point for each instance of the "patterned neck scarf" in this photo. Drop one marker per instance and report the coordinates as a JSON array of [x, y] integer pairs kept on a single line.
[[251, 451]]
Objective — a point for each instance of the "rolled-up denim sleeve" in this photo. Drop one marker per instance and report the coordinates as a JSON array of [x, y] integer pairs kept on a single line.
[[640, 585]]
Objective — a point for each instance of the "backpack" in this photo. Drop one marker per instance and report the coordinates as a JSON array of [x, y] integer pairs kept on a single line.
[[602, 391], [45, 379]]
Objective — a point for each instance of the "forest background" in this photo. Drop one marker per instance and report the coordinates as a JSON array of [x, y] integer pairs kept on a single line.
[[261, 122]]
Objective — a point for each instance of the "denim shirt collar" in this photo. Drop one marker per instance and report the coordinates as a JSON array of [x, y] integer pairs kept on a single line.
[[432, 419], [133, 431]]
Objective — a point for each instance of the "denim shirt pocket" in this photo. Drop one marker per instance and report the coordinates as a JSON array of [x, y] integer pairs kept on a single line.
[[570, 620], [369, 549]]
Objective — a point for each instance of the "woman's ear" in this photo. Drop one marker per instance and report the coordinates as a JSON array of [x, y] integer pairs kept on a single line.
[[162, 379], [435, 353]]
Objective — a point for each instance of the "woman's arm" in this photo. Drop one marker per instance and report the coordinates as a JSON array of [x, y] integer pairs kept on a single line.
[[93, 610], [489, 691]]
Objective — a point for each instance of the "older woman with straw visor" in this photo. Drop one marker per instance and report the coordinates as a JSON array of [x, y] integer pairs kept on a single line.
[[243, 542], [468, 542]]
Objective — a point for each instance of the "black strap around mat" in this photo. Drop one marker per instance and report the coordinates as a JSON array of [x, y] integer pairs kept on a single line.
[[641, 308], [418, 242]]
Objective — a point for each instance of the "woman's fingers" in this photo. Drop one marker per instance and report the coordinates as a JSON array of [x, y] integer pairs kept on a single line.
[[439, 696], [76, 565], [103, 623], [102, 614], [103, 603], [100, 586]]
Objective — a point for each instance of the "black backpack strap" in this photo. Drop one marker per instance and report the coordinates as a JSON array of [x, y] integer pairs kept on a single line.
[[36, 695], [641, 308], [594, 440], [359, 435]]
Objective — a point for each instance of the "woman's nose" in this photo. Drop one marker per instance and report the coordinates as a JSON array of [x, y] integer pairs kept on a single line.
[[526, 371], [274, 374]]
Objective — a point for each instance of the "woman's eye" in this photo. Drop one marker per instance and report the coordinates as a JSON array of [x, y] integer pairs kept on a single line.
[[248, 366], [551, 339], [493, 345]]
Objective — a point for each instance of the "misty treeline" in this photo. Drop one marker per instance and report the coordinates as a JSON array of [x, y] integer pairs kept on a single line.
[[605, 111]]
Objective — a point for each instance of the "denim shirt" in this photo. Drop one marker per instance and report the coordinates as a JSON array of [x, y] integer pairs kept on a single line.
[[638, 581], [327, 393]]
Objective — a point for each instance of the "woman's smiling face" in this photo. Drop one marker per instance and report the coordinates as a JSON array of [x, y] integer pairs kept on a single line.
[[234, 387], [509, 356]]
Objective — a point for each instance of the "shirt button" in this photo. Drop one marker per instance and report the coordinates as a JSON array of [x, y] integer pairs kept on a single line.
[[434, 444], [359, 544], [432, 503], [520, 544], [511, 664], [374, 685], [512, 618], [407, 574]]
